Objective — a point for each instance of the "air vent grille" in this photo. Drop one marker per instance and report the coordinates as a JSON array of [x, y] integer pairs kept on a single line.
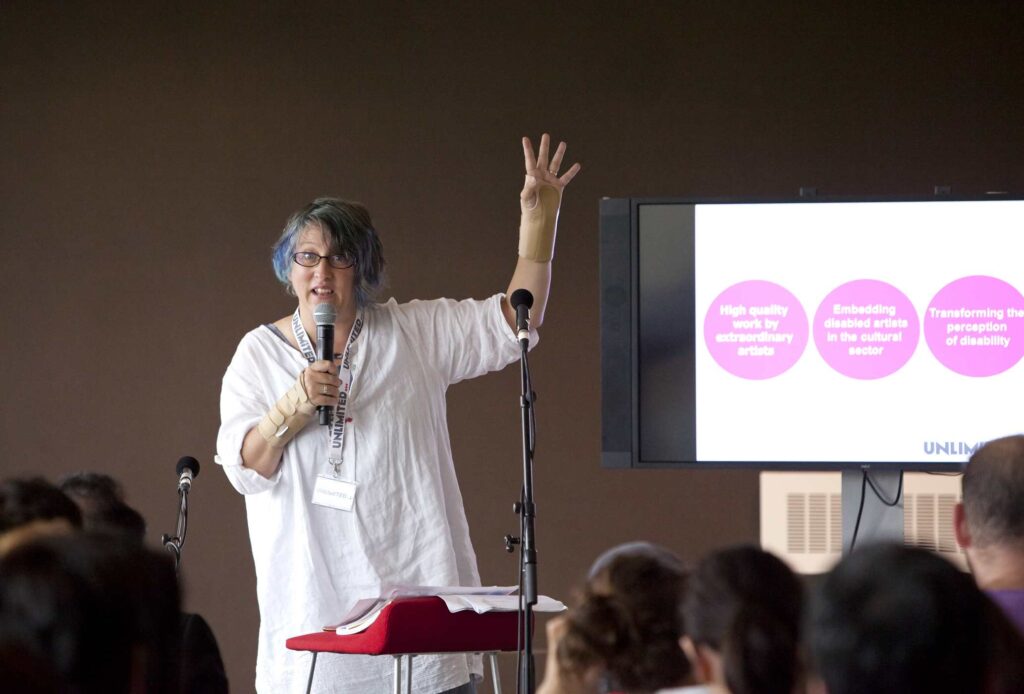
[[801, 516]]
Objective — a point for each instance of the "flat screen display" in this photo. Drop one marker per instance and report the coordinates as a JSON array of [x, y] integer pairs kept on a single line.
[[815, 334]]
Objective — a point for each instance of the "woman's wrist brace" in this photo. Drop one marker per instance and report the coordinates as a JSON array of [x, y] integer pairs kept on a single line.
[[538, 224], [287, 417]]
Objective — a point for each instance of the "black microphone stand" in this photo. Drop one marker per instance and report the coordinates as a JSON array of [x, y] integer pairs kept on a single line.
[[174, 544], [527, 549]]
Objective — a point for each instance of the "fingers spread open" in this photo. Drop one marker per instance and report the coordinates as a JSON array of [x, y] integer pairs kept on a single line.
[[528, 156], [570, 174], [556, 160], [542, 153]]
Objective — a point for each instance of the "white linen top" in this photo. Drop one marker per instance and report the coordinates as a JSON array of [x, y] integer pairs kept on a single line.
[[408, 526]]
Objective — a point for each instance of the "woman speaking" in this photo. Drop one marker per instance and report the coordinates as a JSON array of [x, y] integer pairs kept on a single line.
[[336, 512]]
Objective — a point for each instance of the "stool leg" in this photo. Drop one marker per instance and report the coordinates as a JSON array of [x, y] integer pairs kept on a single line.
[[408, 674], [398, 675], [312, 666], [493, 659]]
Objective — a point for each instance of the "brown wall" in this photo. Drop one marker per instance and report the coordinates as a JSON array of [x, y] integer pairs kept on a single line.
[[151, 152]]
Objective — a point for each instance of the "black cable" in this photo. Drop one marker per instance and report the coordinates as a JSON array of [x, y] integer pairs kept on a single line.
[[532, 431], [860, 511], [184, 517], [886, 502], [864, 482], [520, 634], [533, 424]]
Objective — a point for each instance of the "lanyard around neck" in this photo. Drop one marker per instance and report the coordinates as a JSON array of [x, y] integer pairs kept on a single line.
[[337, 428]]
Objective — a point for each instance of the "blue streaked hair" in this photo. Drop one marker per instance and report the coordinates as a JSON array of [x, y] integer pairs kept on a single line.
[[348, 229]]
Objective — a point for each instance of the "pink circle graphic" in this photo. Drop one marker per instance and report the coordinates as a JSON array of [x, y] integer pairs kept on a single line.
[[756, 329], [866, 329], [975, 326]]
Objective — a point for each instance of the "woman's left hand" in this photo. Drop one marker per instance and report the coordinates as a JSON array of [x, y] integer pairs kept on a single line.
[[540, 170]]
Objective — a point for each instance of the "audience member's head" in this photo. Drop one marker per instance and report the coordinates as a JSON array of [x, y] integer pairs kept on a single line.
[[32, 507], [23, 500], [100, 611], [989, 523], [101, 501], [742, 616], [89, 488], [897, 619], [627, 626]]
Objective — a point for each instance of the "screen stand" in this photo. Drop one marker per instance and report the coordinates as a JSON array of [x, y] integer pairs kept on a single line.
[[878, 522]]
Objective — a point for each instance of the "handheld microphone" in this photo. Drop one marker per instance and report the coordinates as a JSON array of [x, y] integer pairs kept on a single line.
[[187, 470], [522, 301], [324, 316]]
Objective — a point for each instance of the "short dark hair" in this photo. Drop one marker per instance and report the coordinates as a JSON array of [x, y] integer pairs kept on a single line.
[[627, 620], [116, 518], [993, 492], [890, 618], [746, 604], [101, 500], [348, 229], [27, 499], [92, 485]]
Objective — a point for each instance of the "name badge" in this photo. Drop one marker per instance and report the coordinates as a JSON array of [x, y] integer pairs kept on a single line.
[[334, 493]]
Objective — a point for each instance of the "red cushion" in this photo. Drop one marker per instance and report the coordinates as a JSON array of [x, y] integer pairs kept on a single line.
[[419, 625]]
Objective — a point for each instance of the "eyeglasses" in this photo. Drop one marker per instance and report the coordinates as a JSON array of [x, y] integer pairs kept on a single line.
[[310, 259]]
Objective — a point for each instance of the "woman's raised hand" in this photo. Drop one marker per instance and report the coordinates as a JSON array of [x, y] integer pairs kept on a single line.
[[542, 169]]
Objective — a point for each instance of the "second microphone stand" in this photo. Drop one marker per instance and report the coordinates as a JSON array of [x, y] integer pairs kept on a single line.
[[175, 543]]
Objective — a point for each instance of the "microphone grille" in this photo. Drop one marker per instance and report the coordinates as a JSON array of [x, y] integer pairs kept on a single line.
[[324, 314], [187, 462], [521, 297]]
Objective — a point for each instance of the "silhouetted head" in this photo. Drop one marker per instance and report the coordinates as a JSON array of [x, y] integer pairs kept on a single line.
[[101, 612], [895, 619], [744, 604]]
